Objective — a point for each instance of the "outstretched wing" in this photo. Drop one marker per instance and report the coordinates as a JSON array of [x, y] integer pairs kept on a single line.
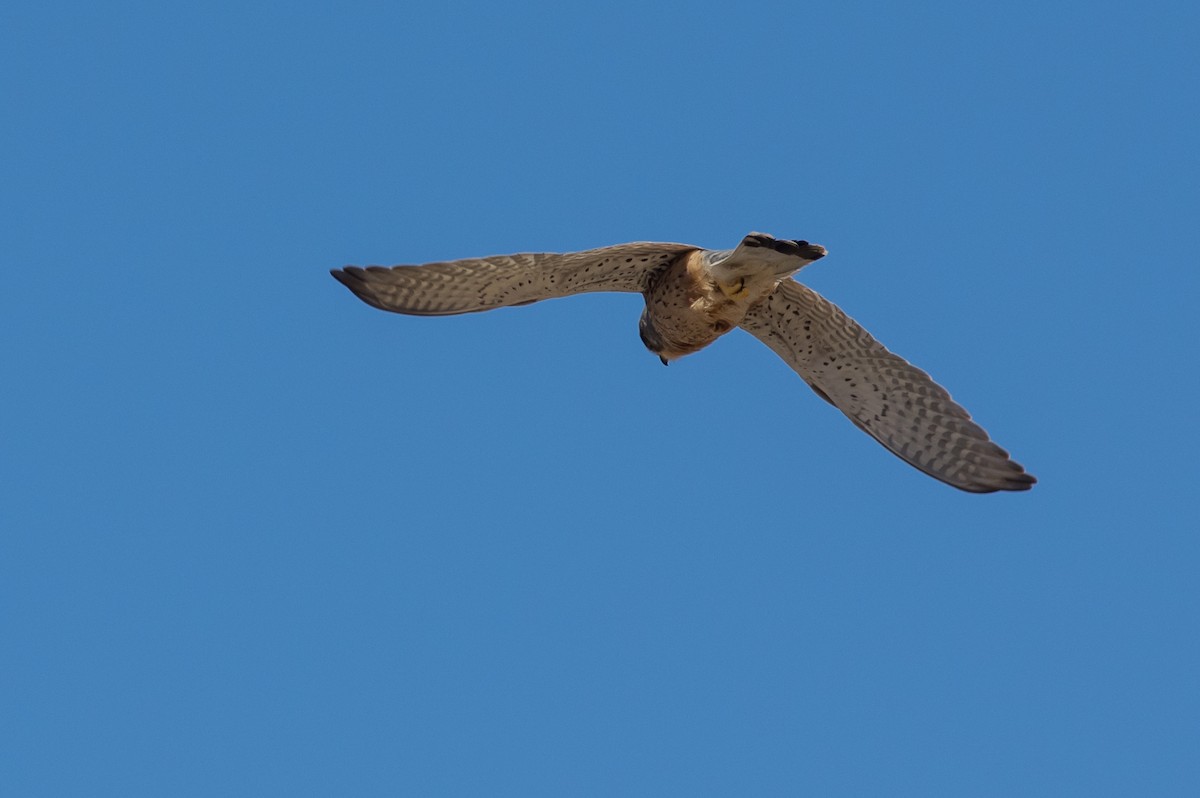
[[467, 286], [885, 395]]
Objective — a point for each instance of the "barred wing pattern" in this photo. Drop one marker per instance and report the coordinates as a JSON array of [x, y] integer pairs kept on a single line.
[[883, 394], [475, 284]]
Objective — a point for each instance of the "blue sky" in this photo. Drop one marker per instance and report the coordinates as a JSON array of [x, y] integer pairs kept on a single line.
[[260, 539]]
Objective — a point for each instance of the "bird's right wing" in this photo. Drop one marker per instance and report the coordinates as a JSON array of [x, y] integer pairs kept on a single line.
[[885, 395], [474, 284]]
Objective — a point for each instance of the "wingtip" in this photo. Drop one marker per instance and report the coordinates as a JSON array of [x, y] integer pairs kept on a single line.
[[1022, 481], [1012, 483], [352, 278], [1019, 479]]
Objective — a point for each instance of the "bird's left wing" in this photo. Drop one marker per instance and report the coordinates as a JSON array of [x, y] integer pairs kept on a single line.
[[885, 395], [475, 284]]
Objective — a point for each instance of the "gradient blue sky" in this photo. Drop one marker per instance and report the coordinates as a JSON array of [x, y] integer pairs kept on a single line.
[[260, 539]]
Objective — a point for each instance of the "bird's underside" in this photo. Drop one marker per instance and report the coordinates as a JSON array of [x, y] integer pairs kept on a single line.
[[693, 296]]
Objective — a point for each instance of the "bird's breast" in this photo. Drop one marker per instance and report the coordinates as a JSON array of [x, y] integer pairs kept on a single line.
[[686, 310]]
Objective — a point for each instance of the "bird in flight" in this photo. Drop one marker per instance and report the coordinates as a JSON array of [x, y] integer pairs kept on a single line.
[[693, 297]]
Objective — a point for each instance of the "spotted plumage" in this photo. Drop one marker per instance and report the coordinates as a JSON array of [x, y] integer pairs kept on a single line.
[[694, 296]]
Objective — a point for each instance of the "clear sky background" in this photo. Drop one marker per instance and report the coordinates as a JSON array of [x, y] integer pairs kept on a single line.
[[261, 539]]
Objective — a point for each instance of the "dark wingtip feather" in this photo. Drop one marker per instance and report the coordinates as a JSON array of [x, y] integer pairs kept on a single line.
[[352, 278], [1021, 482], [345, 276], [1014, 482]]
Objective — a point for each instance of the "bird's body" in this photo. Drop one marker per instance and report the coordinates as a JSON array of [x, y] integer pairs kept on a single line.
[[694, 296], [703, 294]]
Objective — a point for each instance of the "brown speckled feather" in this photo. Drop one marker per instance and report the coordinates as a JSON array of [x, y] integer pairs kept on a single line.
[[885, 395], [475, 284]]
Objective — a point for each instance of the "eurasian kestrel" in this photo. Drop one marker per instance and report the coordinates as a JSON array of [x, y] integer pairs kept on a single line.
[[693, 297]]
